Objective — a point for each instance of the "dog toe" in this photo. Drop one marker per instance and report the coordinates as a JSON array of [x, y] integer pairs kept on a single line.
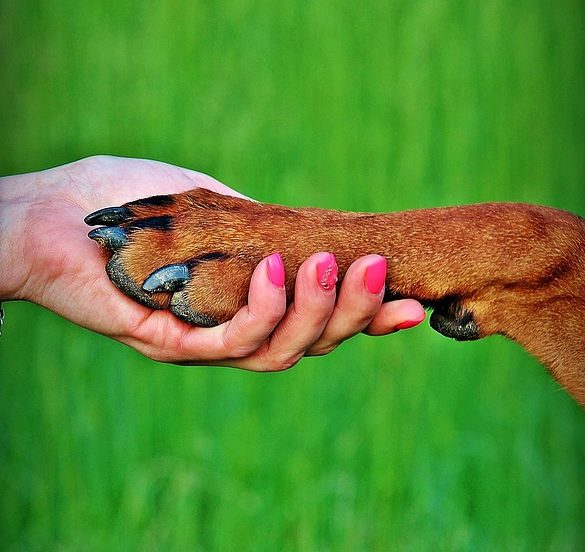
[[119, 276], [451, 319], [180, 306]]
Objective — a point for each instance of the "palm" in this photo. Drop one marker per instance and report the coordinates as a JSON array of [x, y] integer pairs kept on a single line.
[[77, 286]]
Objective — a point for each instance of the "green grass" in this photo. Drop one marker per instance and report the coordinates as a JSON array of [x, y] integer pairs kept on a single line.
[[410, 442]]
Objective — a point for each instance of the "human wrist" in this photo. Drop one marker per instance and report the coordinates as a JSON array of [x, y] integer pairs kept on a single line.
[[16, 193]]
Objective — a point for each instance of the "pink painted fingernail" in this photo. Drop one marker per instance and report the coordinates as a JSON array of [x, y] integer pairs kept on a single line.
[[408, 324], [376, 276], [327, 272], [275, 269]]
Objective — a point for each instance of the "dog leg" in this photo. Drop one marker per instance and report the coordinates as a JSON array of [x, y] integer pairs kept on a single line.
[[496, 268]]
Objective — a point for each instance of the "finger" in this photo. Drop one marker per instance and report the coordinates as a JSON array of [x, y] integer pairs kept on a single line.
[[251, 325], [237, 338], [396, 315], [360, 297], [306, 317]]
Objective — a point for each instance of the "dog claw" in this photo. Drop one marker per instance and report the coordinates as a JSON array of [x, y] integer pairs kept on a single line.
[[111, 237], [168, 278], [110, 216]]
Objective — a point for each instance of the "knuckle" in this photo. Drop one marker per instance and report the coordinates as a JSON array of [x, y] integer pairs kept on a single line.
[[90, 161], [243, 351], [235, 349], [280, 363], [96, 158], [268, 319], [360, 317], [356, 323], [321, 350], [314, 310]]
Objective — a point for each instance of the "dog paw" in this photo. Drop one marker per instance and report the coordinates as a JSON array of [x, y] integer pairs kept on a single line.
[[452, 319], [186, 252]]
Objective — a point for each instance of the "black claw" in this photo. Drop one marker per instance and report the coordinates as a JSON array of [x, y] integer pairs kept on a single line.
[[168, 278], [111, 237], [110, 216]]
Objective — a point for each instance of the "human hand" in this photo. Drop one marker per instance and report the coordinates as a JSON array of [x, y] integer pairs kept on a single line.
[[47, 259]]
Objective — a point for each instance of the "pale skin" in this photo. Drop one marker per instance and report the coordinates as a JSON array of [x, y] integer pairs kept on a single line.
[[47, 258]]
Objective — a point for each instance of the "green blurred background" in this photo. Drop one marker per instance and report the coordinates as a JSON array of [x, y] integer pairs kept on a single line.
[[410, 442]]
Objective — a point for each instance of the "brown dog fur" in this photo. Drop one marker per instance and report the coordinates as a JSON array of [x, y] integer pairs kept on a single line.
[[513, 269]]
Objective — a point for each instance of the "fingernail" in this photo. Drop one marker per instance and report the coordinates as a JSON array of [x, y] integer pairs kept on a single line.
[[376, 276], [275, 268], [327, 272], [408, 324]]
